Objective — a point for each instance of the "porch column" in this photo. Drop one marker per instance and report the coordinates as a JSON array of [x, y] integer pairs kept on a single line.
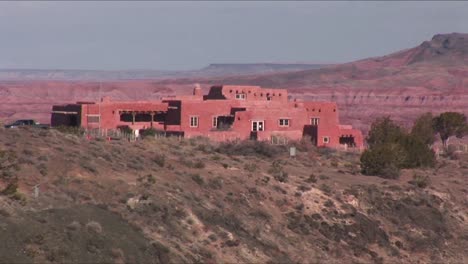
[[133, 117], [152, 118]]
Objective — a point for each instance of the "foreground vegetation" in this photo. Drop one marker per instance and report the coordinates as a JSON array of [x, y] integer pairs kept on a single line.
[[391, 148], [186, 201]]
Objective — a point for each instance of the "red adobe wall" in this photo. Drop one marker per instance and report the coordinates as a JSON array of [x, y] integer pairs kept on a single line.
[[222, 101], [271, 116], [357, 134], [205, 110], [327, 112], [252, 93], [110, 117]]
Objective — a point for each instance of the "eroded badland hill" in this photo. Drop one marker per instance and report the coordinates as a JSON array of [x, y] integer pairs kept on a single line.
[[430, 77], [170, 201]]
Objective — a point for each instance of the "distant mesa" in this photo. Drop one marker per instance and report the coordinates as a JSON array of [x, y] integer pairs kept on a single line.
[[212, 70]]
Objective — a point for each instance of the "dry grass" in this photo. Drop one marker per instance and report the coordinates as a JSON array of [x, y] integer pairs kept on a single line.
[[205, 206]]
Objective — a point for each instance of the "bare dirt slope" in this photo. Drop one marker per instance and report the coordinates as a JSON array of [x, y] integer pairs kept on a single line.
[[193, 201]]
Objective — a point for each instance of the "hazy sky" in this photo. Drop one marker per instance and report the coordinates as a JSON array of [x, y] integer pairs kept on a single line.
[[188, 35]]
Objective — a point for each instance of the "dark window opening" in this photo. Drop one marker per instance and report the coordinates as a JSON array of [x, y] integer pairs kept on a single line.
[[142, 118], [224, 122], [159, 117], [126, 117], [348, 140]]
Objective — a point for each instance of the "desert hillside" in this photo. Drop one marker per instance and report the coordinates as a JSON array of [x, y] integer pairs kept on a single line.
[[177, 201]]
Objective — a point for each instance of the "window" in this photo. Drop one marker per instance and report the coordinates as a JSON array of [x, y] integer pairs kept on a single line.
[[258, 126], [284, 122], [240, 96], [194, 121], [268, 98], [94, 118], [215, 121], [314, 121], [326, 140]]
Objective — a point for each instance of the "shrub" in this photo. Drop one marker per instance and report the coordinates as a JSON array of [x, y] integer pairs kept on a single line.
[[11, 188], [418, 154], [71, 130], [303, 188], [8, 164], [147, 180], [42, 169], [159, 159], [125, 129], [325, 188], [324, 177], [329, 203], [198, 164], [326, 152], [312, 179], [216, 157], [304, 145], [204, 145], [213, 237], [250, 148], [334, 163], [384, 131], [88, 166], [423, 129], [420, 181], [250, 167], [277, 170], [198, 179], [383, 160], [450, 124], [391, 148], [216, 183], [148, 133], [162, 252]]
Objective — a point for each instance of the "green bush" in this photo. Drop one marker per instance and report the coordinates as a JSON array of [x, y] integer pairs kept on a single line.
[[450, 124], [383, 160], [391, 148], [384, 131], [148, 133], [418, 154]]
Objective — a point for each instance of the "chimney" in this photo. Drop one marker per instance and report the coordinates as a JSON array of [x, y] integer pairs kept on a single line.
[[197, 90]]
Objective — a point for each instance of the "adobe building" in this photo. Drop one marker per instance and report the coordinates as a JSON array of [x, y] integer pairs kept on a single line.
[[227, 112]]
